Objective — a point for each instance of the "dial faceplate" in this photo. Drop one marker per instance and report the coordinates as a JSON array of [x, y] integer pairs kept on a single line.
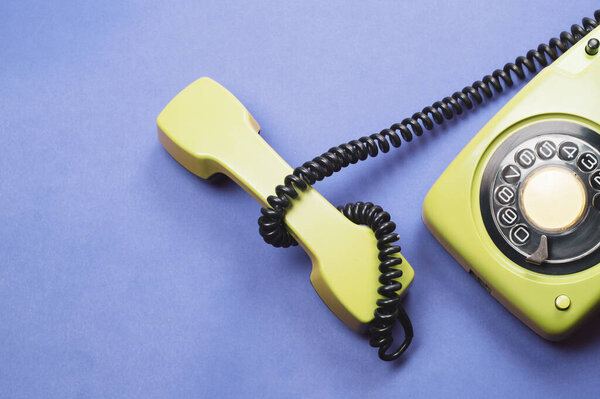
[[540, 197]]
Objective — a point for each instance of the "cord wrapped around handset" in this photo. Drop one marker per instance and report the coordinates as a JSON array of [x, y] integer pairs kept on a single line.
[[272, 225]]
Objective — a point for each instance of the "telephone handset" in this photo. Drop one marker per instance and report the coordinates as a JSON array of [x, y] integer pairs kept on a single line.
[[207, 130], [501, 225]]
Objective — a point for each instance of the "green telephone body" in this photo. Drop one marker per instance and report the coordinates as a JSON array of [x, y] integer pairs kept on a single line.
[[558, 109]]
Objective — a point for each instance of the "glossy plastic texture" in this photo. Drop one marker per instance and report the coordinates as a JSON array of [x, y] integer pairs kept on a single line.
[[569, 90], [207, 130]]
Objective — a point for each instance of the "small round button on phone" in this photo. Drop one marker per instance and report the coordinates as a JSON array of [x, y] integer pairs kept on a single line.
[[562, 302], [511, 174], [587, 162], [568, 151], [525, 158], [546, 150], [592, 46], [505, 195], [595, 180], [520, 234]]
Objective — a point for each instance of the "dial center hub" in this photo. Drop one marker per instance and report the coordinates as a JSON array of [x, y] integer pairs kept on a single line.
[[553, 199]]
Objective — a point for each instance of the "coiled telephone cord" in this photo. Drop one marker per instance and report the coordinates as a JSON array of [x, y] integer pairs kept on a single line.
[[272, 222]]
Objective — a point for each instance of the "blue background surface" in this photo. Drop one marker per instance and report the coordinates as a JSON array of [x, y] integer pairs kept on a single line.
[[123, 275]]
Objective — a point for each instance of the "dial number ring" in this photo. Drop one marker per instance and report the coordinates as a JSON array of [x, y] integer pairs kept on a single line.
[[567, 148]]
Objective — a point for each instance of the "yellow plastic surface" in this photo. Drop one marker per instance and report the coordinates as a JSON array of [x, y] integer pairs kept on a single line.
[[568, 90], [207, 130]]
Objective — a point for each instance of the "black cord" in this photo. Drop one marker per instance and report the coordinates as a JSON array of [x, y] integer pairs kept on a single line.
[[388, 308], [272, 225]]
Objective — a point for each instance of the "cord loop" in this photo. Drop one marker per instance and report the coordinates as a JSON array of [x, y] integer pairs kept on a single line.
[[272, 225]]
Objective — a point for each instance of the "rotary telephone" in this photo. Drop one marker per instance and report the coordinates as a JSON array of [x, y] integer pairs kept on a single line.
[[519, 208]]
